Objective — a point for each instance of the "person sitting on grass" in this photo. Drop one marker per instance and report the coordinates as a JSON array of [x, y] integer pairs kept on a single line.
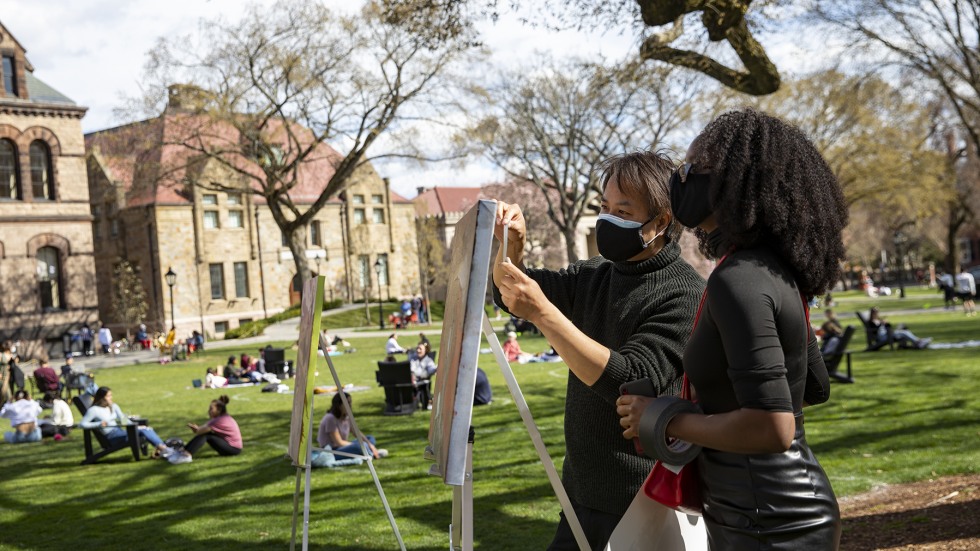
[[221, 432], [512, 349], [60, 422], [213, 380], [334, 431], [22, 412], [392, 346], [232, 373], [901, 334], [105, 415]]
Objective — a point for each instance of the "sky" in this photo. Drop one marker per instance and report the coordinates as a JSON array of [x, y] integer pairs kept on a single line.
[[93, 51]]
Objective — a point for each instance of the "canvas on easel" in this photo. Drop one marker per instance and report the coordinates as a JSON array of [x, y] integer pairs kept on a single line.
[[300, 448], [465, 324], [460, 344]]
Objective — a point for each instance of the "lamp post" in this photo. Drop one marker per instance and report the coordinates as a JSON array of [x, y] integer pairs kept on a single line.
[[171, 278], [377, 269]]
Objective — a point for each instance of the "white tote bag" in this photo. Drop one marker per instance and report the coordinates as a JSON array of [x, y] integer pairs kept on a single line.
[[648, 525]]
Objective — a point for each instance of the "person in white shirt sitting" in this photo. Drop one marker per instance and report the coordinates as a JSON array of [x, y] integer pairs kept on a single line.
[[392, 346], [22, 412]]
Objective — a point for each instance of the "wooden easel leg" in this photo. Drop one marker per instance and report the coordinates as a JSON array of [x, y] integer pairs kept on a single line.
[[535, 434]]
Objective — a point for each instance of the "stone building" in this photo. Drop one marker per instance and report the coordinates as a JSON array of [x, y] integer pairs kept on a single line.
[[47, 272], [231, 261]]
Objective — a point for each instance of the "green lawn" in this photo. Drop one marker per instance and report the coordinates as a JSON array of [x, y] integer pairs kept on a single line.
[[916, 298], [911, 415]]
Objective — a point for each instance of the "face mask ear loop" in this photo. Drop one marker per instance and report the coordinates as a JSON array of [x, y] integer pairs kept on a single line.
[[647, 243]]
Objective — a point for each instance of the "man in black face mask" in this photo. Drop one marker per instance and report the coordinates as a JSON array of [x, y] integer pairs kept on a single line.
[[615, 318]]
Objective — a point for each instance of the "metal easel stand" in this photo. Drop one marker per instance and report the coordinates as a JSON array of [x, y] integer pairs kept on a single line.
[[461, 529], [535, 434], [369, 458]]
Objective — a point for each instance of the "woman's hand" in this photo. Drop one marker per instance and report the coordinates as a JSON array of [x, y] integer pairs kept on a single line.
[[193, 427], [630, 409], [522, 295]]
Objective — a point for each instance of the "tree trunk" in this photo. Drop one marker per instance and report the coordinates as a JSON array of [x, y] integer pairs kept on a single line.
[[296, 240], [569, 235], [952, 229]]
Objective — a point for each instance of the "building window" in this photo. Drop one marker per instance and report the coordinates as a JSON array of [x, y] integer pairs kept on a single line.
[[383, 276], [42, 177], [359, 216], [221, 327], [234, 198], [236, 219], [9, 174], [377, 199], [358, 200], [217, 281], [364, 270], [244, 321], [241, 279], [114, 227], [315, 239], [49, 277], [209, 199], [211, 220], [378, 216], [9, 76]]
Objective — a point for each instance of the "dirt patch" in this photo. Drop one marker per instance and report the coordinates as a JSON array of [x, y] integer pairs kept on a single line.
[[941, 514]]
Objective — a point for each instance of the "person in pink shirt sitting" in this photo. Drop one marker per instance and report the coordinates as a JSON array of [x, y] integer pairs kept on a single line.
[[512, 349], [220, 432]]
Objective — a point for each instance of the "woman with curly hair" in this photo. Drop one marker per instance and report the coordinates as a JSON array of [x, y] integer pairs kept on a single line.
[[766, 204]]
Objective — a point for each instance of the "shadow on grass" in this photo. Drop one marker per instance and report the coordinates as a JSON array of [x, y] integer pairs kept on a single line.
[[894, 530]]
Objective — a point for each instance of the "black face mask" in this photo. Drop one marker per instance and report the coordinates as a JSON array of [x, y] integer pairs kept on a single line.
[[620, 239], [690, 199]]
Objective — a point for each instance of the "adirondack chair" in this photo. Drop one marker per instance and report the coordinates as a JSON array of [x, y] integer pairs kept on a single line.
[[133, 441], [401, 397], [833, 359], [871, 334]]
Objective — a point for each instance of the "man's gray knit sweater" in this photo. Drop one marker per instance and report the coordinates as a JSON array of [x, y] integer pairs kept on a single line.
[[643, 311]]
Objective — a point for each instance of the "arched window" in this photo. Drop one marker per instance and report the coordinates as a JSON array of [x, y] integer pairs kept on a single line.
[[9, 175], [49, 277], [42, 178]]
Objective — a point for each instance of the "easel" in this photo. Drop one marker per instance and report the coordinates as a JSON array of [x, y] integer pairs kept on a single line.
[[461, 529], [300, 444]]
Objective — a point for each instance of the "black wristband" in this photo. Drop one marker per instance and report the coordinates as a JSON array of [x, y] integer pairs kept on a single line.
[[653, 431]]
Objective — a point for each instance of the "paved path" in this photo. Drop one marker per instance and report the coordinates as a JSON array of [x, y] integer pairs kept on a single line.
[[286, 330]]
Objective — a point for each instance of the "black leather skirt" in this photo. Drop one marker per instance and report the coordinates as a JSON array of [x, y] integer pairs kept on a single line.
[[769, 501]]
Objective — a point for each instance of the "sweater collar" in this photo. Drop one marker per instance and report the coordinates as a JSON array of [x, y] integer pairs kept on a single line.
[[668, 254]]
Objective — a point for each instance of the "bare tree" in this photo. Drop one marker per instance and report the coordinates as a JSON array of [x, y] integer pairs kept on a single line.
[[552, 126], [664, 31], [289, 101], [937, 40]]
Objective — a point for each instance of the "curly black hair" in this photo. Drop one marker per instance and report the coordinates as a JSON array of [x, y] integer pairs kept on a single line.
[[771, 187]]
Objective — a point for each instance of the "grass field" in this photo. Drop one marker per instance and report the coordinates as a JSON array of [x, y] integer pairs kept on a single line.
[[911, 415]]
